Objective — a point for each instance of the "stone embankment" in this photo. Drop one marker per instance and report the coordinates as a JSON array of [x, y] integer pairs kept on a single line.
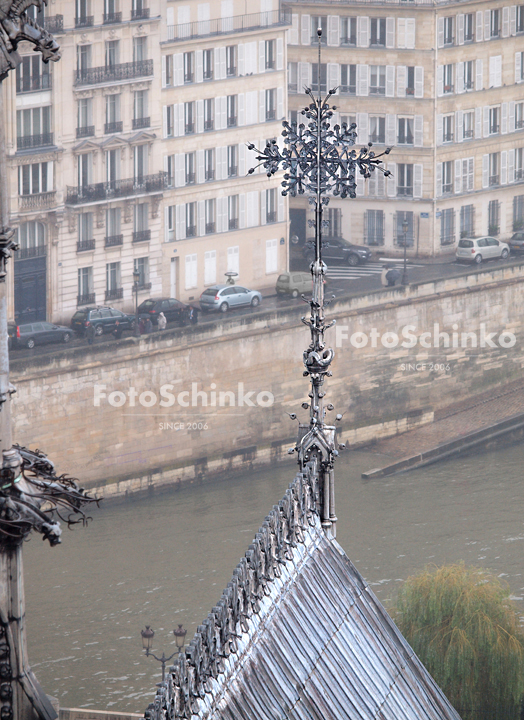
[[183, 404]]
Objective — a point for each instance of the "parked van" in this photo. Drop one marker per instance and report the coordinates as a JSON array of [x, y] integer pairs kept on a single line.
[[294, 283]]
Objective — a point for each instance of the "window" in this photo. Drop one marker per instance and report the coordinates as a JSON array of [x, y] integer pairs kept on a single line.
[[374, 227], [113, 217], [190, 165], [191, 271], [112, 166], [292, 77], [468, 174], [468, 124], [210, 267], [402, 238], [318, 21], [189, 67], [378, 32], [410, 80], [448, 30], [271, 110], [208, 64], [232, 110], [334, 219], [169, 115], [112, 280], [85, 227], [448, 78], [519, 167], [141, 266], [112, 53], [467, 221], [493, 217], [447, 128], [85, 164], [141, 161], [210, 216], [191, 219], [405, 131], [377, 129], [447, 227], [494, 115], [520, 18], [209, 164], [494, 165], [168, 60], [447, 177], [83, 58], [494, 26], [293, 116], [231, 60], [315, 78], [377, 80], [270, 54], [170, 170], [85, 285], [519, 116], [189, 117], [518, 212], [32, 74], [271, 205], [141, 118], [33, 127], [271, 256], [31, 236], [140, 48], [170, 223], [348, 79], [113, 122], [469, 27], [141, 221], [35, 179], [232, 212], [232, 161], [84, 118], [209, 114], [404, 180], [348, 31], [469, 80]]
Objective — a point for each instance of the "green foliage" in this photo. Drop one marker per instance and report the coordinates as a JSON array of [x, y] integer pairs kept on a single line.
[[465, 630]]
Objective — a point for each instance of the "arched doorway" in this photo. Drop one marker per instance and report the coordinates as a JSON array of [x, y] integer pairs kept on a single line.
[[30, 273]]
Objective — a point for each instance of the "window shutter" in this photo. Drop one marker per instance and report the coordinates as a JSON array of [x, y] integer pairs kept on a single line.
[[333, 35], [504, 167], [505, 22], [504, 118], [263, 207], [511, 166], [512, 116], [401, 80], [280, 103], [485, 121], [418, 170], [242, 170], [178, 69], [242, 211], [459, 126], [280, 207], [305, 38], [492, 72], [280, 54], [485, 171], [513, 20], [221, 163], [302, 73], [164, 115], [261, 56], [392, 181], [487, 23], [180, 222], [241, 61], [252, 209], [200, 169], [518, 65], [164, 74], [166, 223], [440, 80], [498, 71], [293, 30], [241, 112], [439, 129], [362, 80], [223, 63], [401, 33], [390, 81], [479, 72], [201, 218], [390, 32], [218, 111], [419, 82], [200, 116], [410, 33], [199, 74], [222, 219], [362, 128], [418, 131], [478, 123], [460, 22], [439, 179], [479, 34], [440, 31], [261, 106], [471, 173], [391, 130], [180, 119], [180, 170], [458, 176], [362, 32], [333, 76], [460, 77]]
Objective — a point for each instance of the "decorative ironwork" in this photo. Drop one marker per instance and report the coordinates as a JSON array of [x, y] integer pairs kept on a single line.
[[114, 17], [85, 131], [226, 26], [141, 236], [139, 123], [116, 294], [31, 252], [85, 245], [54, 23], [116, 189], [34, 141], [87, 299], [113, 240], [139, 13], [113, 127], [36, 200], [114, 73]]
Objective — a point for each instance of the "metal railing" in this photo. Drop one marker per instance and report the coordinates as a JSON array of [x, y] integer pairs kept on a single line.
[[113, 127], [210, 175], [116, 294], [114, 73], [233, 223], [377, 139], [232, 171], [189, 128], [115, 17], [377, 90], [87, 299], [519, 124], [231, 71], [226, 26], [191, 231], [38, 200], [447, 137], [113, 240], [84, 21], [140, 14], [144, 286], [141, 236], [448, 89], [494, 129], [85, 131], [519, 174], [189, 78], [270, 115], [190, 178], [271, 217], [468, 134], [347, 89], [34, 141], [493, 180], [54, 23], [116, 188], [30, 252], [232, 121], [209, 124], [139, 123], [447, 188], [410, 91], [405, 190], [210, 228], [33, 83], [85, 245], [292, 87]]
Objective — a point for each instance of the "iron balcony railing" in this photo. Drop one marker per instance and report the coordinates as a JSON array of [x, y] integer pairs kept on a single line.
[[33, 83], [141, 236], [34, 141], [347, 89], [85, 131], [189, 128], [405, 190], [232, 171], [225, 26], [38, 200], [493, 180], [410, 91], [447, 137], [85, 245], [115, 294], [232, 121], [233, 223], [30, 252], [271, 217], [468, 134], [189, 78], [377, 90], [87, 299], [446, 188], [519, 124], [448, 89], [54, 23], [113, 127], [270, 115], [110, 18], [190, 178], [210, 228], [519, 174], [139, 13], [494, 129], [114, 73], [113, 240], [231, 71], [144, 286], [190, 231], [139, 123], [209, 125], [116, 189], [210, 175], [85, 21]]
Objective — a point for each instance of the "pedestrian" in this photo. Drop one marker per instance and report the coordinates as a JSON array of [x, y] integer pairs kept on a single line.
[[148, 325], [383, 279], [192, 315], [392, 276], [118, 330], [90, 332], [141, 326], [162, 322]]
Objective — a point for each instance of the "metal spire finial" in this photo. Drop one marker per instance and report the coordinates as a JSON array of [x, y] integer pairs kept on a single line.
[[319, 160]]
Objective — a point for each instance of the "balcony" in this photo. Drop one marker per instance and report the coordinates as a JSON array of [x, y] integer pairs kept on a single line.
[[54, 24], [404, 190], [468, 134], [115, 294], [232, 121], [494, 180], [85, 245], [34, 141], [189, 128], [447, 137], [30, 252], [87, 299], [231, 71], [292, 87], [210, 175], [85, 131], [270, 115], [143, 287], [114, 73], [494, 129], [227, 26], [111, 18], [232, 171], [139, 13], [190, 231], [113, 127], [141, 236], [36, 201], [84, 21], [33, 83], [113, 240], [519, 174], [139, 123], [347, 89], [233, 223], [377, 90], [209, 125], [116, 189], [271, 217], [447, 188], [190, 178], [519, 124], [210, 228]]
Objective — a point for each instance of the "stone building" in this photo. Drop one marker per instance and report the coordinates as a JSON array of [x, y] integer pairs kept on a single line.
[[124, 159], [442, 84]]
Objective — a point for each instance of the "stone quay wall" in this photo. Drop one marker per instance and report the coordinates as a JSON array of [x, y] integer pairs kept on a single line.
[[380, 389]]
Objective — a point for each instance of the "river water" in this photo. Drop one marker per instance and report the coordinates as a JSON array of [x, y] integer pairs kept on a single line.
[[164, 560]]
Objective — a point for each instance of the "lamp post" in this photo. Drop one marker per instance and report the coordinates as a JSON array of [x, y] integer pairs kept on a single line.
[[136, 278], [405, 228], [147, 643]]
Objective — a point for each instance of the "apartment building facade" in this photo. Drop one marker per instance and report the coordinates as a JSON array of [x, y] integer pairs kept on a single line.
[[442, 84]]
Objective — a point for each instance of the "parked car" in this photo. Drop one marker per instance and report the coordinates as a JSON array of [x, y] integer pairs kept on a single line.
[[340, 249], [294, 283], [478, 249], [103, 320], [38, 333], [224, 297], [516, 242], [172, 309]]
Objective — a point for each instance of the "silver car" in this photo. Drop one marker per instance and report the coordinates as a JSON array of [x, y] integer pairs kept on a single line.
[[225, 297], [478, 249]]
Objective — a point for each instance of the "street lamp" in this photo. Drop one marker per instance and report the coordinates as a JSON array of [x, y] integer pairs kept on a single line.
[[136, 278], [405, 227], [147, 643]]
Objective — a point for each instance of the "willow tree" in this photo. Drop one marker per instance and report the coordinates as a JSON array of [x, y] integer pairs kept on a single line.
[[465, 629]]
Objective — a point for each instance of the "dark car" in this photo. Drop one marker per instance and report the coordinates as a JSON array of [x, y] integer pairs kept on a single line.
[[516, 242], [340, 249], [103, 320], [172, 309], [39, 333]]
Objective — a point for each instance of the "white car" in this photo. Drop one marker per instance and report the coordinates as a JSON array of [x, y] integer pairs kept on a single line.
[[478, 249]]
